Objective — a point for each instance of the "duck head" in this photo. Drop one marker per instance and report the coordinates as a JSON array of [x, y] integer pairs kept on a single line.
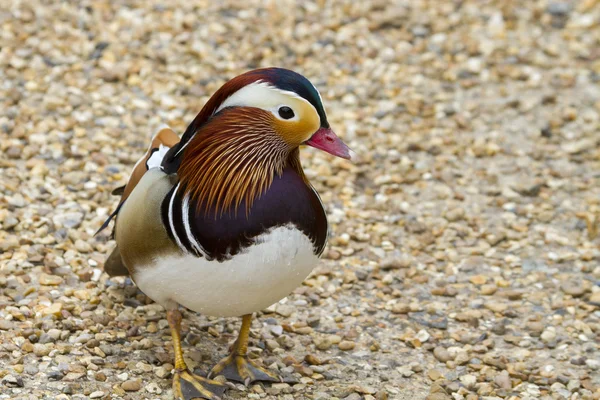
[[248, 131]]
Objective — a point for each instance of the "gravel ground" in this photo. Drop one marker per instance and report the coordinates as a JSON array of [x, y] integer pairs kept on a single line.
[[464, 258]]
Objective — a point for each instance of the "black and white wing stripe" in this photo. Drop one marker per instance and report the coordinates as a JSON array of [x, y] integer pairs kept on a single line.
[[176, 219]]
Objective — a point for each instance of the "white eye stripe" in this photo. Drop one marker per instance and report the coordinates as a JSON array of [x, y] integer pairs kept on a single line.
[[263, 95]]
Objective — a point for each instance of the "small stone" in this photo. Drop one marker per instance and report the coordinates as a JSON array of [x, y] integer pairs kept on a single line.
[[535, 327], [55, 375], [10, 222], [434, 374], [17, 200], [31, 369], [442, 354], [272, 344], [468, 380], [50, 280], [423, 336], [346, 345], [548, 335], [6, 325], [499, 328], [82, 246], [73, 376], [401, 308], [97, 394], [593, 364], [455, 214], [437, 393], [488, 290], [323, 343], [27, 347], [284, 310], [478, 279], [153, 388], [277, 330], [574, 288], [82, 294], [559, 8], [496, 307], [55, 309], [503, 380], [54, 333], [579, 146], [132, 385], [68, 220], [312, 360], [573, 384], [41, 350], [163, 371], [12, 381], [528, 188]]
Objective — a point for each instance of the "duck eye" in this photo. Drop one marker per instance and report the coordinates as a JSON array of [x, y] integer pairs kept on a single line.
[[285, 112]]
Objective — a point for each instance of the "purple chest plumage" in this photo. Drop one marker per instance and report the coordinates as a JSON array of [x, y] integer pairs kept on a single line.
[[288, 201]]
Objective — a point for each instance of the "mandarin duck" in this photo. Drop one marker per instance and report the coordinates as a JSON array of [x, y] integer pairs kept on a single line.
[[224, 221]]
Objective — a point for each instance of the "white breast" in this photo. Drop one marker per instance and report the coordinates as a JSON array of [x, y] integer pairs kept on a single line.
[[263, 274]]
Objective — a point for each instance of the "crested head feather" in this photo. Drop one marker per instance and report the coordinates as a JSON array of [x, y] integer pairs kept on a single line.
[[278, 78]]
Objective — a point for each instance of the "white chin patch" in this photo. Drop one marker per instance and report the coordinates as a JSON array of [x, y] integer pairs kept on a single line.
[[156, 158]]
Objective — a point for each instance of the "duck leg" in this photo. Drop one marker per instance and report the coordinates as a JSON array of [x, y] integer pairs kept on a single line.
[[237, 366], [186, 385]]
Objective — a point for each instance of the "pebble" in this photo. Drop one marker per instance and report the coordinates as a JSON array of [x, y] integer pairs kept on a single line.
[[401, 308], [12, 381], [6, 325], [41, 350], [163, 371], [503, 380], [496, 307], [574, 288], [462, 245], [442, 354], [468, 380], [68, 220], [153, 388], [488, 290], [558, 8], [82, 246], [593, 364], [548, 335], [51, 280], [312, 360], [434, 374], [323, 343], [478, 279], [277, 330], [132, 385], [54, 309], [346, 345]]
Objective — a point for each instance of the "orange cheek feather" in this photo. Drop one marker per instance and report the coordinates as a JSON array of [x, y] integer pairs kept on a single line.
[[297, 132]]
